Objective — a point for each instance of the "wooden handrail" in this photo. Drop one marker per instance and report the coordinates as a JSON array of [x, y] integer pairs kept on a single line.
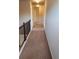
[[25, 29], [25, 23]]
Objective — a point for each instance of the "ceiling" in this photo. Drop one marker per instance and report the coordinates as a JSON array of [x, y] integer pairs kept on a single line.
[[50, 3]]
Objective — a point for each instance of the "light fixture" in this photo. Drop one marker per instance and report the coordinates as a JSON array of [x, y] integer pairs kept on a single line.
[[37, 1]]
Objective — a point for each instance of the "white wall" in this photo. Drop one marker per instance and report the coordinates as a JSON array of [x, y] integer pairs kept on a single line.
[[23, 18], [52, 30]]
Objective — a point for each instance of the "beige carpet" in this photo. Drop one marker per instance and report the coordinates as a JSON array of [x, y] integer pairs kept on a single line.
[[36, 47]]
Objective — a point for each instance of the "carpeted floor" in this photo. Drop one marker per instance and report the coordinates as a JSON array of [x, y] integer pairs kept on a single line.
[[36, 47]]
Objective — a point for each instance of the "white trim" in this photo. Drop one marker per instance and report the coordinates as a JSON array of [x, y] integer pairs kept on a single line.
[[31, 14], [24, 44], [45, 12]]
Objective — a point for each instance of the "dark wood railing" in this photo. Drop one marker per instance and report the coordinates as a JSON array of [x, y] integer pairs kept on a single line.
[[24, 29]]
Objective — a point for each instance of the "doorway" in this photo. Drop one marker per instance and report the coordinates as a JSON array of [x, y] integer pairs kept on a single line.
[[38, 11]]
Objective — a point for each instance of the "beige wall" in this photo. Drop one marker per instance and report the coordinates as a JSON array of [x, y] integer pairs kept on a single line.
[[24, 11]]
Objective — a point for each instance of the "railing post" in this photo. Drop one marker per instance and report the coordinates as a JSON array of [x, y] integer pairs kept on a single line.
[[24, 31]]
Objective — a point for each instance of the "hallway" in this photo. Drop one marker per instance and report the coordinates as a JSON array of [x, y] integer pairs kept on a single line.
[[36, 46]]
